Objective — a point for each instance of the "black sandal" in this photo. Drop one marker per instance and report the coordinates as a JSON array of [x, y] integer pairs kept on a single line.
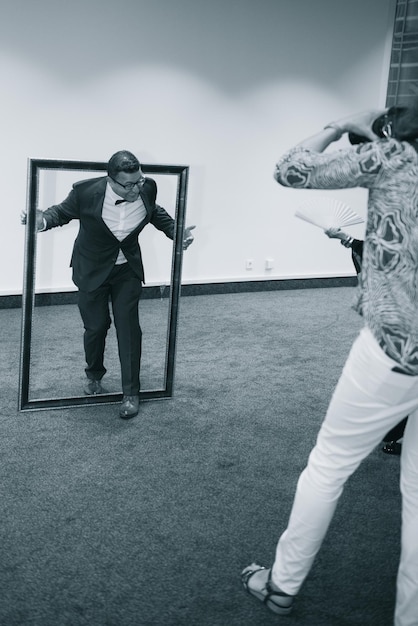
[[277, 601]]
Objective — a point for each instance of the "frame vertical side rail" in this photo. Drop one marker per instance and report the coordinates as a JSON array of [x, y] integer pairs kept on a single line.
[[176, 278], [28, 295]]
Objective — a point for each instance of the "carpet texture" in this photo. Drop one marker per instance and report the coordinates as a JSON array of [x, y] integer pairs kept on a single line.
[[149, 522]]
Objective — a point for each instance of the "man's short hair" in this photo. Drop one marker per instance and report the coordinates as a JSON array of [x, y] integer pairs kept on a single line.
[[122, 161]]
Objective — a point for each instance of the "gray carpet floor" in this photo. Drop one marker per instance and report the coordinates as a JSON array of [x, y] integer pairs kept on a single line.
[[149, 522]]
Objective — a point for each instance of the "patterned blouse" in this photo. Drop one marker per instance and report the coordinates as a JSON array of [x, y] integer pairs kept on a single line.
[[387, 294]]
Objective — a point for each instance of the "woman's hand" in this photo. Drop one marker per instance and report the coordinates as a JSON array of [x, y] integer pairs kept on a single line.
[[335, 233], [360, 123]]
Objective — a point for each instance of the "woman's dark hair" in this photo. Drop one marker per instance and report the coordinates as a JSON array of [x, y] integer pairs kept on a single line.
[[400, 122], [404, 120], [122, 161]]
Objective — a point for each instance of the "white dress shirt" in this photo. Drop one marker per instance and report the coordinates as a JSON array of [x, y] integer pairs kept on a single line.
[[123, 218]]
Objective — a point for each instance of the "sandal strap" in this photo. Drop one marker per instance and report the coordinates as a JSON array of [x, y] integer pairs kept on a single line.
[[270, 595], [273, 592], [246, 577]]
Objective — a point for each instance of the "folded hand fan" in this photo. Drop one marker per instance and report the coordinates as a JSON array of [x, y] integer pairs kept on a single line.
[[327, 212]]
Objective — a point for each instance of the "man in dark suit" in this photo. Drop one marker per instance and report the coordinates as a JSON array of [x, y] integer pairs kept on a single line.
[[106, 263]]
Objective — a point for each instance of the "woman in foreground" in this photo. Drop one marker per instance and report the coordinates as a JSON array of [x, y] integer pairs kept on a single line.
[[379, 382]]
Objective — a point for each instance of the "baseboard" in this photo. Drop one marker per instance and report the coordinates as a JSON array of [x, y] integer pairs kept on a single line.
[[267, 285], [70, 297]]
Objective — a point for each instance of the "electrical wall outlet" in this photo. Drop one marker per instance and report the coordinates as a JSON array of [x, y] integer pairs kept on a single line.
[[249, 264], [269, 264]]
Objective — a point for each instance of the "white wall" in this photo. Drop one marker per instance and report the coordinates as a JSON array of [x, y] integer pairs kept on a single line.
[[223, 86]]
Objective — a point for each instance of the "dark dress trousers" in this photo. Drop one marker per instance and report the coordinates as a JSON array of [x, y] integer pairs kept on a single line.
[[98, 278]]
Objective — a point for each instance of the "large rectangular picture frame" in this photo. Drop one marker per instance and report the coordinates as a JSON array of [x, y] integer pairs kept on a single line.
[[28, 294]]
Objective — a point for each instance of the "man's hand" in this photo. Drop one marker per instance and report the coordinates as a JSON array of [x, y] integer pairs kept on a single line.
[[188, 237], [39, 219]]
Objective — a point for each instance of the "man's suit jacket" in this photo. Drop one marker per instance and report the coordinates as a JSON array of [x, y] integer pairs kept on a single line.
[[96, 248]]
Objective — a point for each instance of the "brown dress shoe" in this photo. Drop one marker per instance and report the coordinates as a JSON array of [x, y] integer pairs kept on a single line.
[[93, 387], [129, 407]]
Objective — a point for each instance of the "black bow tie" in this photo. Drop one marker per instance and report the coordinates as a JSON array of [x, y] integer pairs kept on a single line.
[[119, 201]]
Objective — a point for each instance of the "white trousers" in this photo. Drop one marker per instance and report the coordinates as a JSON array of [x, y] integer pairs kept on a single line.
[[368, 401]]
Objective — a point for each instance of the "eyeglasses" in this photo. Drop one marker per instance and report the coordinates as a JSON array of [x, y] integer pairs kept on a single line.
[[129, 186]]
